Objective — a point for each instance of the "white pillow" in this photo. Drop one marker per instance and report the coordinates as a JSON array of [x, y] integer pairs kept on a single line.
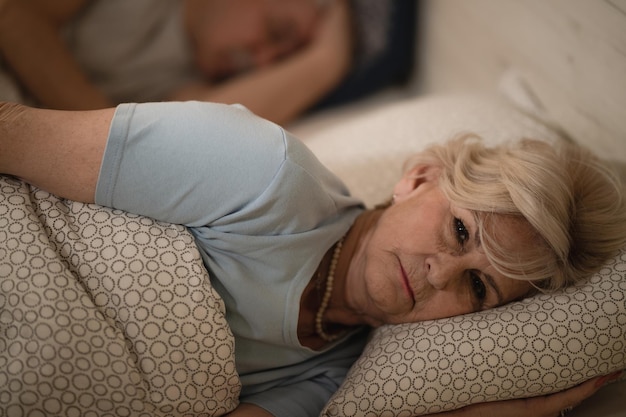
[[368, 147], [537, 346]]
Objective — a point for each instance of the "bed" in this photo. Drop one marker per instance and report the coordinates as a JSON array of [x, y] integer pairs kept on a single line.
[[108, 313]]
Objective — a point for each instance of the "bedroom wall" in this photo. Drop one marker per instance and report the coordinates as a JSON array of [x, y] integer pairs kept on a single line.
[[571, 53]]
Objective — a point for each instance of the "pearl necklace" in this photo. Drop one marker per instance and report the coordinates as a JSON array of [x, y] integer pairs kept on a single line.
[[319, 327]]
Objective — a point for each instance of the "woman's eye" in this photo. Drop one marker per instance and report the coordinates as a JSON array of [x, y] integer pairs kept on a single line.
[[462, 235], [478, 287]]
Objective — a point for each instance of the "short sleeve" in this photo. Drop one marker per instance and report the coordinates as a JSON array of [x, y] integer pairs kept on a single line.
[[187, 163]]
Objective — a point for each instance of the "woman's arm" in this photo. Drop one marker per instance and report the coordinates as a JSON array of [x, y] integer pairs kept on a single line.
[[285, 89], [172, 161], [59, 151], [31, 44]]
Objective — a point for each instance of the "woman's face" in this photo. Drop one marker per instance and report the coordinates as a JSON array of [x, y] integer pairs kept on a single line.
[[423, 261], [230, 36]]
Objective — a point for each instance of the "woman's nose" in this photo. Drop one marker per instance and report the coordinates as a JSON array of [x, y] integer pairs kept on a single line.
[[443, 270]]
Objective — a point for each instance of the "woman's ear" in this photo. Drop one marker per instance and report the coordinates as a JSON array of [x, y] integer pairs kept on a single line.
[[413, 178]]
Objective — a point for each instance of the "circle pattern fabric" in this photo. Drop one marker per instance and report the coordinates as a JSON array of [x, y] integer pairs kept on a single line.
[[104, 313], [537, 346]]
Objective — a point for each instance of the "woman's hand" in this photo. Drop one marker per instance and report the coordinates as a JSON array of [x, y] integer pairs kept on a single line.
[[545, 406]]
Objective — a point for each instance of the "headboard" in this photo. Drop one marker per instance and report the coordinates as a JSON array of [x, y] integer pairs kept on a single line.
[[568, 55]]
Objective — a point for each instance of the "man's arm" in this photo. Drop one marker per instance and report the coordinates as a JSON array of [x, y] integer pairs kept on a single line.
[[31, 44], [283, 90], [58, 151]]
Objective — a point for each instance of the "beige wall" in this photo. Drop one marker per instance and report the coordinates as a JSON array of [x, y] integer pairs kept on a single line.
[[572, 54]]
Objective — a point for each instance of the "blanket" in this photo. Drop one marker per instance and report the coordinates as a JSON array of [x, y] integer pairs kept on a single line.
[[106, 313]]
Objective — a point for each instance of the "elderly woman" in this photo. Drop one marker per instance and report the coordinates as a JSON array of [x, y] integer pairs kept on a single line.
[[302, 267]]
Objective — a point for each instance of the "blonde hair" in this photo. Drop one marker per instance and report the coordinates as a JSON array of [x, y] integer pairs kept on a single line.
[[572, 201]]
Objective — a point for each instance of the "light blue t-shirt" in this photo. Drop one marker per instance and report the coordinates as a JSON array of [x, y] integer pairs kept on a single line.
[[263, 210]]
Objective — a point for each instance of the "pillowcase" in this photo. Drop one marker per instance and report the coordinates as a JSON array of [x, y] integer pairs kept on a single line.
[[366, 145], [533, 347]]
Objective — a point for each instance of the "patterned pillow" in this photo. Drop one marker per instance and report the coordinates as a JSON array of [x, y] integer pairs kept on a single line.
[[541, 345], [106, 313], [537, 346]]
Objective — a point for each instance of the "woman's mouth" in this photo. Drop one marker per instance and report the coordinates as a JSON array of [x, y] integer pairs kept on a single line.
[[405, 282]]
